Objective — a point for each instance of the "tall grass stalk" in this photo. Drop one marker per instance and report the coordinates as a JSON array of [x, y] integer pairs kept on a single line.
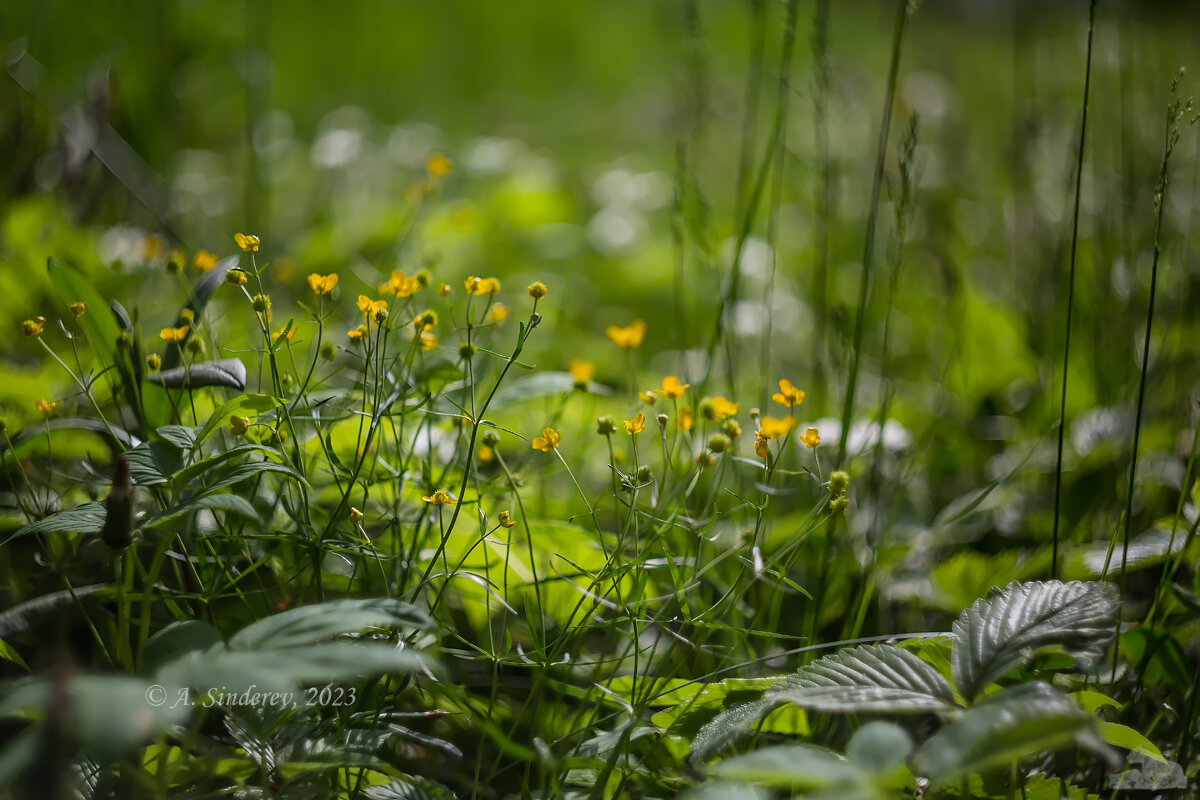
[[904, 9], [1062, 409]]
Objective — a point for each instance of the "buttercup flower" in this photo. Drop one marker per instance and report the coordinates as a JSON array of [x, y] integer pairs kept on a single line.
[[440, 498], [239, 425], [770, 427], [648, 398], [322, 284], [498, 313], [537, 290], [444, 289], [425, 320], [547, 441], [506, 519], [174, 335], [760, 445], [788, 394], [369, 306], [683, 420], [437, 166], [33, 327], [629, 337], [476, 285], [400, 285], [811, 438], [203, 261], [46, 407], [356, 516], [427, 340], [357, 334], [714, 408], [247, 241], [581, 371], [672, 388], [79, 308], [236, 277], [635, 425]]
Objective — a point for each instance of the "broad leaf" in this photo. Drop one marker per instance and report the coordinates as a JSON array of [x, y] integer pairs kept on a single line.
[[876, 678], [182, 436], [1015, 723], [152, 463], [1005, 629], [39, 609], [314, 623], [205, 464], [795, 766], [879, 746], [231, 503], [726, 727], [202, 292], [228, 372], [726, 790], [1124, 736], [245, 405], [87, 518]]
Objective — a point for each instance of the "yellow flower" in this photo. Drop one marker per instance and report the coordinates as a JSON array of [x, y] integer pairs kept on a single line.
[[356, 516], [672, 388], [440, 498], [427, 340], [770, 427], [788, 394], [760, 445], [287, 334], [476, 285], [247, 241], [153, 362], [174, 335], [629, 337], [714, 408], [498, 313], [683, 420], [154, 248], [547, 441], [33, 327], [400, 285], [323, 284], [437, 166], [425, 320], [46, 407], [235, 277], [357, 334], [79, 308], [203, 261], [635, 425], [537, 290], [648, 397], [369, 306], [444, 289], [811, 437], [485, 454], [506, 519], [239, 425], [581, 371]]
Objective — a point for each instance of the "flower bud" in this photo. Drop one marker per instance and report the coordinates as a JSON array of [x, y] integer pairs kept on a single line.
[[606, 425]]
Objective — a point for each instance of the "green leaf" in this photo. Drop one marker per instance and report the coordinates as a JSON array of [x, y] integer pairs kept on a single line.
[[1124, 736], [875, 679], [726, 790], [798, 767], [152, 463], [726, 727], [1015, 723], [87, 518], [325, 620], [283, 669], [879, 746], [230, 503], [38, 610], [540, 384], [180, 638], [228, 372], [182, 436], [243, 472], [9, 653], [1157, 657], [205, 464], [245, 405], [1091, 701], [1006, 628]]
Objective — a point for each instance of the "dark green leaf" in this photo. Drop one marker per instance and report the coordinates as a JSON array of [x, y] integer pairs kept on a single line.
[[1006, 628], [202, 292], [179, 638], [798, 767], [879, 746], [182, 436], [228, 372], [36, 611], [87, 518], [152, 463], [253, 469], [231, 503], [183, 476], [726, 727], [314, 623], [97, 323]]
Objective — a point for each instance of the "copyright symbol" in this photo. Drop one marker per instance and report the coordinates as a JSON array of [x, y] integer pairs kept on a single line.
[[156, 695]]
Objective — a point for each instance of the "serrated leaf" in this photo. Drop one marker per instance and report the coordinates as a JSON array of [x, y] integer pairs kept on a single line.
[[874, 678], [1015, 723], [314, 623], [798, 767], [1006, 628], [182, 436], [413, 788], [229, 373], [152, 463], [726, 727], [87, 518]]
